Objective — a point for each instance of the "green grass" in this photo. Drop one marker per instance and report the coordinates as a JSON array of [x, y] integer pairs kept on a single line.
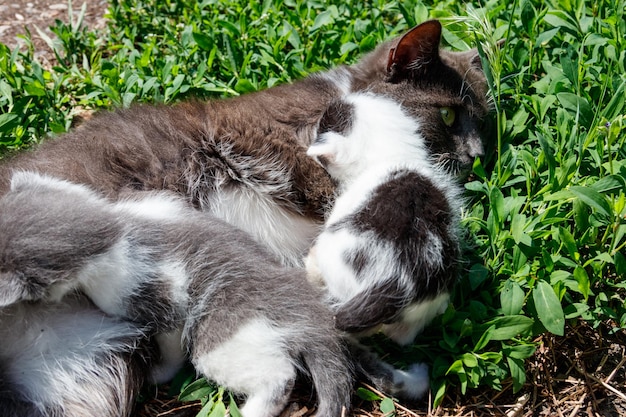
[[546, 214]]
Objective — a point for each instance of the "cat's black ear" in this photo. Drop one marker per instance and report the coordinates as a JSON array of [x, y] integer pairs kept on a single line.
[[416, 50]]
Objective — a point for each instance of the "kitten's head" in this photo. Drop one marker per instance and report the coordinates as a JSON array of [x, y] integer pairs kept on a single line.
[[362, 131], [445, 91], [50, 228]]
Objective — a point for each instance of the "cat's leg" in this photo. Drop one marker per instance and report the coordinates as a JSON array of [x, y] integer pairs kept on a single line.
[[254, 361], [172, 356]]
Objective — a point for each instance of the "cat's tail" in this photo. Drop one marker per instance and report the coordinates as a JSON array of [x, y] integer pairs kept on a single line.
[[329, 364], [369, 308]]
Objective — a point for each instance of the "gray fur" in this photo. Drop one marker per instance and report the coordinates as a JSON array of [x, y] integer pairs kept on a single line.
[[68, 360], [210, 298]]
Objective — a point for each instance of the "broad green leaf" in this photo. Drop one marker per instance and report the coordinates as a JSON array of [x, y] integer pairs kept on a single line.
[[518, 224], [496, 200], [567, 239], [456, 367], [196, 390], [549, 308], [469, 360], [440, 392], [609, 183], [577, 105], [484, 339], [387, 407], [511, 298], [508, 327], [206, 409], [219, 410], [519, 351], [367, 395], [244, 86], [323, 19], [593, 199], [205, 42], [232, 407], [7, 120], [518, 373], [477, 275], [583, 281]]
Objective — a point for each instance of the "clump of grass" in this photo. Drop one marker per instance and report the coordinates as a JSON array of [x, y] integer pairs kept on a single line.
[[547, 215]]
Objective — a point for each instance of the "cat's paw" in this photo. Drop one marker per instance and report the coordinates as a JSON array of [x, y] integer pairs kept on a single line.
[[313, 272], [413, 382]]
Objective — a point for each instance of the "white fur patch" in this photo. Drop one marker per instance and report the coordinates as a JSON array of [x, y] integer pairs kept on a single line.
[[414, 381], [35, 181], [56, 360], [177, 277], [255, 361], [11, 290], [287, 235], [340, 77], [414, 318], [155, 206], [111, 278], [381, 135]]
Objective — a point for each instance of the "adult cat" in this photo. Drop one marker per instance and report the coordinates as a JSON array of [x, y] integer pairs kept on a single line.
[[389, 250], [199, 286], [244, 159]]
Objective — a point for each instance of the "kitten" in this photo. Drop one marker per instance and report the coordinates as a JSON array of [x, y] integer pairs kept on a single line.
[[388, 253], [246, 322]]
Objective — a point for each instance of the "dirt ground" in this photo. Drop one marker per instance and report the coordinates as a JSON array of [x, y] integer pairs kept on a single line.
[[581, 374]]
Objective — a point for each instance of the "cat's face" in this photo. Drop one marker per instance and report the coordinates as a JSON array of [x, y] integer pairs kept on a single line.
[[445, 91]]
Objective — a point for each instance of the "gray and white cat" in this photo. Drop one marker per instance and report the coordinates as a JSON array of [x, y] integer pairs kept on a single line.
[[246, 322], [388, 254]]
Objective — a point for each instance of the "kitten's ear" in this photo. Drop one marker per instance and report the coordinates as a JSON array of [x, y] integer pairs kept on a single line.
[[418, 48], [323, 149]]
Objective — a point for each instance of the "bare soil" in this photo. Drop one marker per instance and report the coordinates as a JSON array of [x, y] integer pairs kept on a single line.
[[580, 374]]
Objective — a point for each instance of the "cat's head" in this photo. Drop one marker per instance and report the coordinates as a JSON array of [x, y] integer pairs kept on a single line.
[[445, 91], [49, 229]]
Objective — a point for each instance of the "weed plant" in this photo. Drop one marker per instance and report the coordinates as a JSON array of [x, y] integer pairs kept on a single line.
[[546, 210]]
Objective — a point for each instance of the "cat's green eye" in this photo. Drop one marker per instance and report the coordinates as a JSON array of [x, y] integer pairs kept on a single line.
[[447, 115]]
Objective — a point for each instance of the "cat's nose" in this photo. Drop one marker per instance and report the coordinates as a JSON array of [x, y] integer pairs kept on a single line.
[[475, 149]]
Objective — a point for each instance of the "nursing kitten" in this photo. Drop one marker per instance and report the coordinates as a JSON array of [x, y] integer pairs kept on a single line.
[[244, 159], [198, 285], [388, 253]]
